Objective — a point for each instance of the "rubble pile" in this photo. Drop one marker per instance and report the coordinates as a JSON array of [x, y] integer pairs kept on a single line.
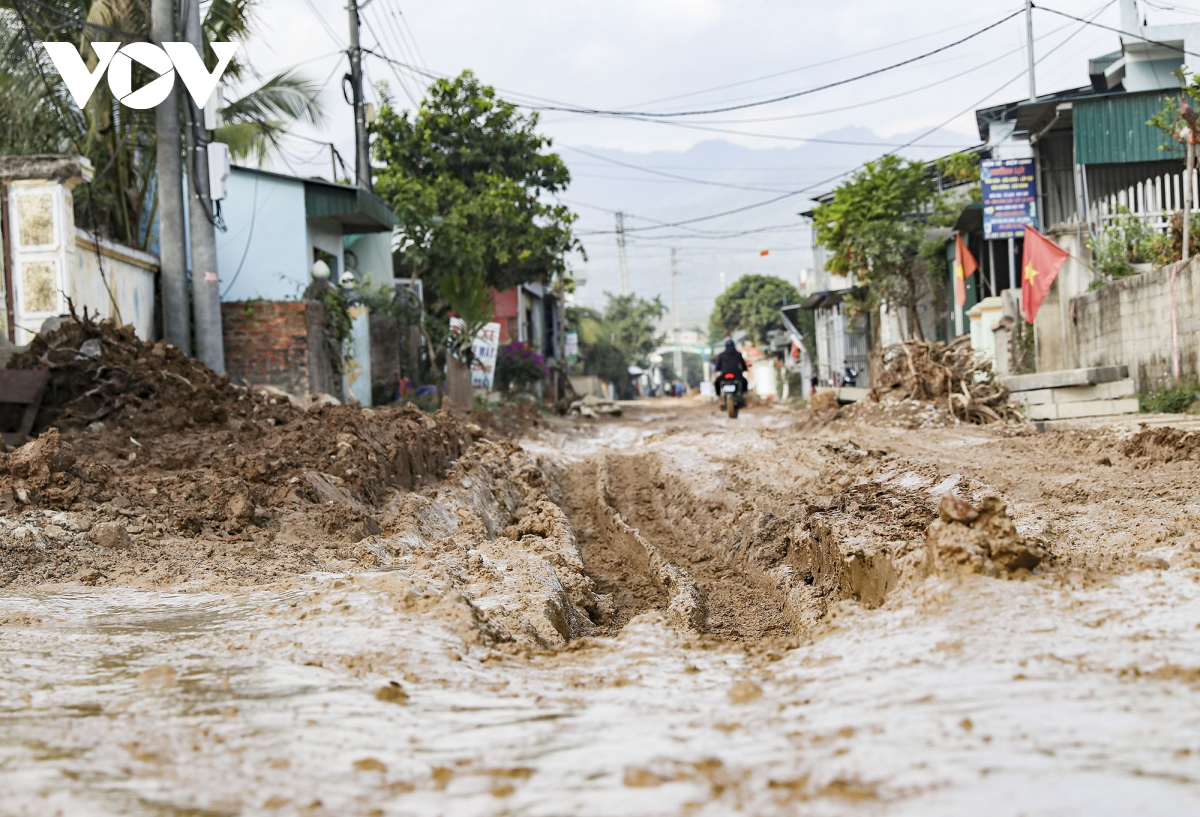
[[947, 374], [592, 407], [102, 373]]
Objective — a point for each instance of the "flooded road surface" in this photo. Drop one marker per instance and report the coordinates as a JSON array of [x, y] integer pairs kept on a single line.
[[437, 687]]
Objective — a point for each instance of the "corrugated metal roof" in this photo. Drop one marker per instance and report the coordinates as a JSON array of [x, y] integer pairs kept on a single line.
[[1113, 130], [358, 210]]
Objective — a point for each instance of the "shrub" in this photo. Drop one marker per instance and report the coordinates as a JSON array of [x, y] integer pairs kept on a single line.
[[1128, 240], [1173, 400], [519, 367]]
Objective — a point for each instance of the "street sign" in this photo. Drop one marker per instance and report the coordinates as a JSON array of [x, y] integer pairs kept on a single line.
[[1009, 197]]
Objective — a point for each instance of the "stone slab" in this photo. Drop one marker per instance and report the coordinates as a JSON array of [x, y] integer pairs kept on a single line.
[[1066, 377], [851, 394], [1077, 394], [1090, 408]]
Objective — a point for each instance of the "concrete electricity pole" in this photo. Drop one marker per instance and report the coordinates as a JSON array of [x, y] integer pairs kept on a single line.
[[621, 254], [206, 292], [362, 147], [679, 373], [1029, 39], [177, 325]]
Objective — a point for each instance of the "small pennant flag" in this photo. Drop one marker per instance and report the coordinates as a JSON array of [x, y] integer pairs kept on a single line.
[[964, 267], [1040, 263], [765, 252]]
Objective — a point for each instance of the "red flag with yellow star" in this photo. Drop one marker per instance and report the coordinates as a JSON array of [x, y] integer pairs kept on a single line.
[[964, 267], [1040, 264]]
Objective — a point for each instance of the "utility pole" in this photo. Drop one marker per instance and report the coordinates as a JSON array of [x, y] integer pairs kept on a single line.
[[177, 325], [621, 254], [1029, 39], [362, 147], [679, 372], [206, 291]]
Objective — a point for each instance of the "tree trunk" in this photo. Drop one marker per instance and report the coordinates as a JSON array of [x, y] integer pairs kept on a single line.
[[459, 393]]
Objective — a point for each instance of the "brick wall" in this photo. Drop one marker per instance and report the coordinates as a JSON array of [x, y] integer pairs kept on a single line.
[[1129, 322], [269, 343]]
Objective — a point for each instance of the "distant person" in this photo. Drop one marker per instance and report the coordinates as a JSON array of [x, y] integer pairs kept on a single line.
[[730, 361]]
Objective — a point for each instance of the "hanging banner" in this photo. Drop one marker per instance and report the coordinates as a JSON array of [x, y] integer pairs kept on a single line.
[[1009, 189]]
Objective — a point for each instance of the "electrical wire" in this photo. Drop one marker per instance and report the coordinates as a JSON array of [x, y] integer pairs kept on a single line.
[[1123, 33], [932, 130], [664, 174], [338, 41], [784, 97], [379, 44], [249, 238], [801, 68], [638, 118]]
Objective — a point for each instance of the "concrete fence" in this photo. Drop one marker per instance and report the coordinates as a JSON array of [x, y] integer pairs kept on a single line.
[[1128, 322]]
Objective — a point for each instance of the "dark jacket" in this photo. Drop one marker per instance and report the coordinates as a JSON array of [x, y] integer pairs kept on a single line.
[[730, 360]]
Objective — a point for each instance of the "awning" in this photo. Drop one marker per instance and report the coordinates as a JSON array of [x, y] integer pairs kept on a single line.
[[357, 210], [829, 299]]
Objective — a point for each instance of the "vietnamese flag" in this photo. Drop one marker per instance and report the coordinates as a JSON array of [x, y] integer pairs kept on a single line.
[[964, 267], [1040, 263]]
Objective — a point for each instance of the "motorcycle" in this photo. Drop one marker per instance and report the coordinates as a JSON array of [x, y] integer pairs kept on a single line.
[[850, 377], [732, 394]]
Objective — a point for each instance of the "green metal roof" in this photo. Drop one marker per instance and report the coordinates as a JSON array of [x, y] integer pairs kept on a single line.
[[1113, 129], [358, 210]]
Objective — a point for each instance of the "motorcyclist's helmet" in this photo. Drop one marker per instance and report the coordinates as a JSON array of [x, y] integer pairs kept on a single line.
[[729, 344]]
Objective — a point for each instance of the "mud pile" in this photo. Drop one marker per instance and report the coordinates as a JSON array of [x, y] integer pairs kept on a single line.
[[1164, 444], [101, 372]]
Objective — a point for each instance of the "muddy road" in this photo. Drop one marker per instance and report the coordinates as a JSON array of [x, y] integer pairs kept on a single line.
[[666, 613]]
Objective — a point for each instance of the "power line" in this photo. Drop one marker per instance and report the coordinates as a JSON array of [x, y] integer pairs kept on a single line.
[[325, 25], [664, 174], [784, 97], [800, 68], [513, 95], [1123, 33]]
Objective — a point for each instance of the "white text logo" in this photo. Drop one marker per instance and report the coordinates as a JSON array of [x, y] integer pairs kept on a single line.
[[165, 61]]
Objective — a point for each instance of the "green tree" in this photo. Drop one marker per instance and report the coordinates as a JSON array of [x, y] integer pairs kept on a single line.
[[874, 230], [41, 117], [623, 335], [468, 175], [751, 303]]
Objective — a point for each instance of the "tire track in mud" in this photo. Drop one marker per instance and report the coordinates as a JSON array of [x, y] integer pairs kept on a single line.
[[706, 577]]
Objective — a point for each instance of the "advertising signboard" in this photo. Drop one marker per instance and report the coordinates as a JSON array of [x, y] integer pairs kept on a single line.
[[1009, 197], [485, 347]]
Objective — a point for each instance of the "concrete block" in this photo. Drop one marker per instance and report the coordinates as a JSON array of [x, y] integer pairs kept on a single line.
[[1077, 394], [1066, 377], [1090, 408], [851, 394]]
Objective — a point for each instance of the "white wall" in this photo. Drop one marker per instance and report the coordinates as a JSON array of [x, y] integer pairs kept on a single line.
[[374, 253], [127, 283], [266, 221]]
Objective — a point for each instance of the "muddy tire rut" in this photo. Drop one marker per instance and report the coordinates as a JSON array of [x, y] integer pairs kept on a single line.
[[654, 549]]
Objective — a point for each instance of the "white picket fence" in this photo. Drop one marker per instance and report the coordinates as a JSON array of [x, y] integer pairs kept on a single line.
[[1154, 200]]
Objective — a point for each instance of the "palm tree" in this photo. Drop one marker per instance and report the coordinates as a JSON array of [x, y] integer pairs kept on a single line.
[[41, 117]]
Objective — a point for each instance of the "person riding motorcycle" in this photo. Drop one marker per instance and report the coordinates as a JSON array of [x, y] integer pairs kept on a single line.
[[730, 361]]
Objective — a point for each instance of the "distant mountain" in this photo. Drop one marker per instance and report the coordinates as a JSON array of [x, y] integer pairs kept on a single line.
[[736, 176]]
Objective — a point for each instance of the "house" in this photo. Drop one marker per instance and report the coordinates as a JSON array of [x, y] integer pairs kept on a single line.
[[277, 228], [1094, 153], [49, 264]]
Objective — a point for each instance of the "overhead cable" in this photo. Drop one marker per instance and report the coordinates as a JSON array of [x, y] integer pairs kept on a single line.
[[784, 97]]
